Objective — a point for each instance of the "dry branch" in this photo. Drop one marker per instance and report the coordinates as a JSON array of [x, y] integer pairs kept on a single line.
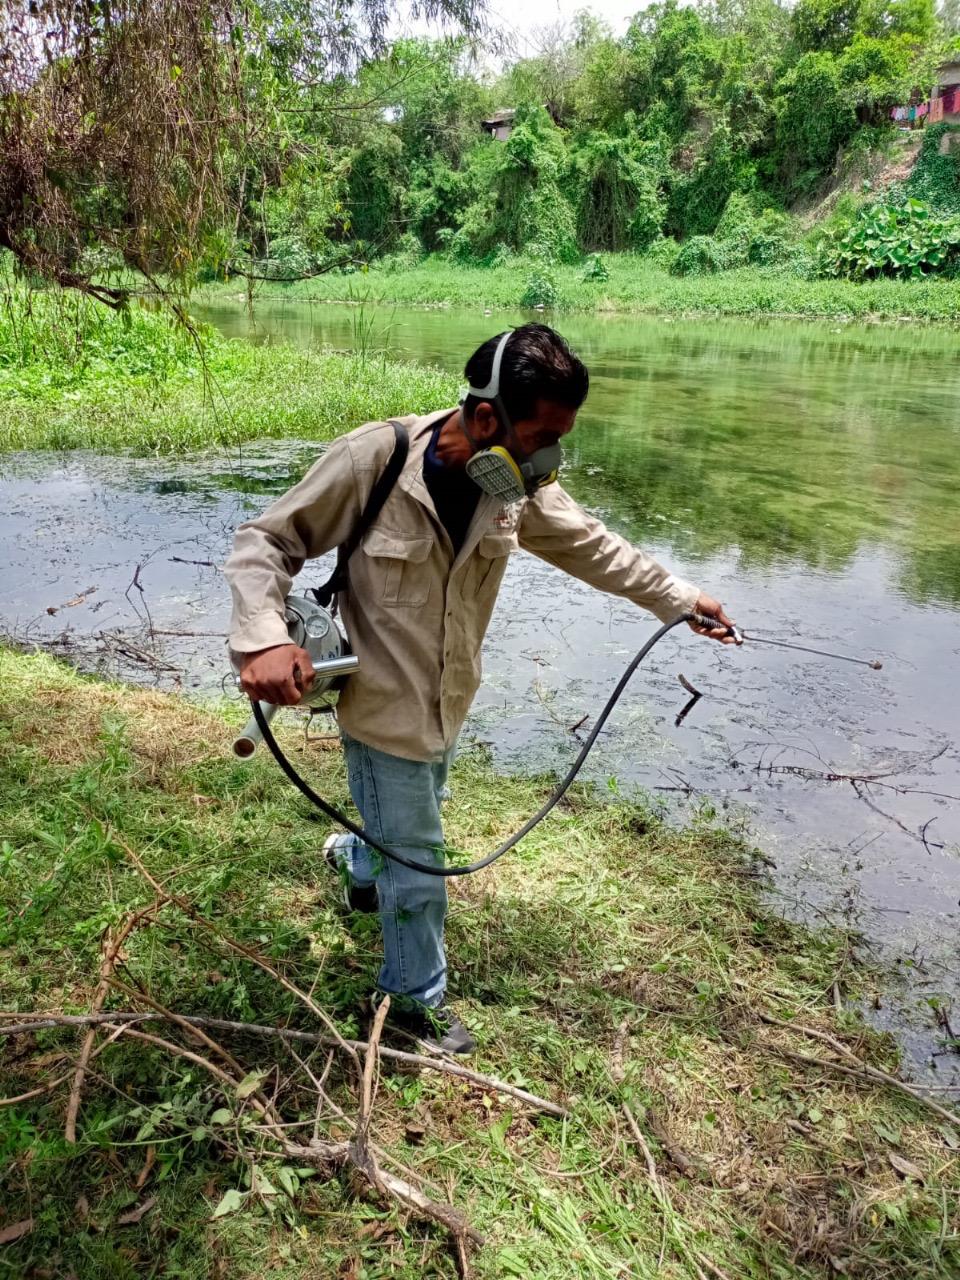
[[362, 1156], [856, 1066], [248, 952], [325, 1153], [111, 946], [445, 1066]]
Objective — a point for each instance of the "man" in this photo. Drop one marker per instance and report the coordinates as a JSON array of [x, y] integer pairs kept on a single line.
[[478, 482]]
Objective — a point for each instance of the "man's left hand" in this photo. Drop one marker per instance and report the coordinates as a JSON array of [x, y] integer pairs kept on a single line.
[[711, 608]]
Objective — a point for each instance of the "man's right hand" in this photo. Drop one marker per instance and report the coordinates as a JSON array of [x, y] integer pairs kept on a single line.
[[281, 675]]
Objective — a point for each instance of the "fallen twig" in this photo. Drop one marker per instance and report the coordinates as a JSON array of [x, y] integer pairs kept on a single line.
[[923, 835], [136, 583], [325, 1152], [55, 1084], [695, 696], [689, 1165], [859, 785], [111, 945], [207, 635], [362, 1155]]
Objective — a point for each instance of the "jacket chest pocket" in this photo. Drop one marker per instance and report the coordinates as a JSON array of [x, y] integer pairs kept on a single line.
[[492, 552], [399, 568]]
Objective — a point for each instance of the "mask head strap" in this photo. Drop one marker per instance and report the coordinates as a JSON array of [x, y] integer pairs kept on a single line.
[[492, 390]]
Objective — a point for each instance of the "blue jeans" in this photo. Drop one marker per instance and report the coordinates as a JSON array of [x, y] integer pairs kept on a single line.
[[399, 802]]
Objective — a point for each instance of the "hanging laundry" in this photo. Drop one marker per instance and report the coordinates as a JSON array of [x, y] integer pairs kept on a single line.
[[936, 110], [913, 114], [923, 110]]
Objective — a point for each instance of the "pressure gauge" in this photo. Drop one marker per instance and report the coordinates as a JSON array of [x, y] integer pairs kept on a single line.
[[318, 625]]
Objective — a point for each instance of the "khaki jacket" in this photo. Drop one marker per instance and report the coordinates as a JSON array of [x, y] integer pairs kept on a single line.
[[415, 614]]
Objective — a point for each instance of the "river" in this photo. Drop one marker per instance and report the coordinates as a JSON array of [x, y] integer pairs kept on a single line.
[[807, 475]]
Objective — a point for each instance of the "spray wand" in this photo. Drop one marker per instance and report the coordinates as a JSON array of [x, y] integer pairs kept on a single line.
[[874, 664]]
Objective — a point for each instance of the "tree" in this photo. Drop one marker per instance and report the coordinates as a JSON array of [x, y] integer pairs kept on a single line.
[[124, 124], [815, 117]]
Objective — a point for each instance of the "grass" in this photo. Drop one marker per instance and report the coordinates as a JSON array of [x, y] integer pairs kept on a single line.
[[607, 934], [74, 375], [635, 284]]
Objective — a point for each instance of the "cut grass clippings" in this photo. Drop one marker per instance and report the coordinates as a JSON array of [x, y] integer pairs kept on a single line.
[[611, 959], [634, 284]]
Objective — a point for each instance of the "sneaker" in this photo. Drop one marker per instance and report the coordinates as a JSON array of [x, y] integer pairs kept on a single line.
[[356, 897], [438, 1030]]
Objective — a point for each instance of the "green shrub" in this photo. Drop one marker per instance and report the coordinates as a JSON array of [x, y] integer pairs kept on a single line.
[[619, 203], [907, 243], [407, 253], [519, 195], [663, 252], [746, 236], [541, 288], [814, 118], [595, 270], [936, 178], [288, 259], [698, 256], [771, 240]]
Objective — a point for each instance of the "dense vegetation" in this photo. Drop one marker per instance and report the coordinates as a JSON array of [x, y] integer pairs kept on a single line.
[[707, 125], [74, 374]]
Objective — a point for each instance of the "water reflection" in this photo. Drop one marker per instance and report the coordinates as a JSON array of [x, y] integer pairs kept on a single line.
[[787, 442]]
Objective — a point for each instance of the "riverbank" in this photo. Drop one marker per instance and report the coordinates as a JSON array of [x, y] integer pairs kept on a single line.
[[612, 960], [634, 284], [93, 379]]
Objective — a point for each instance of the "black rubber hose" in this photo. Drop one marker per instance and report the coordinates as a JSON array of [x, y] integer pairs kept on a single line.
[[448, 872]]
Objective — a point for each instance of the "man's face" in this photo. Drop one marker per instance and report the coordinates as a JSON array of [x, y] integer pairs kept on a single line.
[[549, 424]]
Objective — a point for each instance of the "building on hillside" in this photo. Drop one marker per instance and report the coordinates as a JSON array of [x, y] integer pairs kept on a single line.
[[500, 124], [946, 90]]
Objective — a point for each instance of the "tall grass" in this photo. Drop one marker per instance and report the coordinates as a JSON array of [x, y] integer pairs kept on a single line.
[[74, 375], [635, 284], [53, 341]]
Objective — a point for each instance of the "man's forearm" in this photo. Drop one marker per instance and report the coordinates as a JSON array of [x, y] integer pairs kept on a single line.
[[558, 530]]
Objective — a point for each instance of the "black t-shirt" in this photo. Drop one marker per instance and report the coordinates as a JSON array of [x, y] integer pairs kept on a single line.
[[454, 494]]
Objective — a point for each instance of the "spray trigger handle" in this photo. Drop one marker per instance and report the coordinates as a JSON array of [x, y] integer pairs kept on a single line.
[[714, 624]]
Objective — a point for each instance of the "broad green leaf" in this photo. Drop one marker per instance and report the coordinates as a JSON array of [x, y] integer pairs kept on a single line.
[[231, 1201], [250, 1083]]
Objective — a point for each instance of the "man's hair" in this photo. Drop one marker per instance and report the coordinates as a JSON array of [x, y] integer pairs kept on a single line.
[[537, 365]]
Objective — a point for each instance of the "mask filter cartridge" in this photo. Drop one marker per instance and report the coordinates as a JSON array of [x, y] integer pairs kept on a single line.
[[495, 472]]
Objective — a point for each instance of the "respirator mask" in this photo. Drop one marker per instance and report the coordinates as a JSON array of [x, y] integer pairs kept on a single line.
[[493, 468]]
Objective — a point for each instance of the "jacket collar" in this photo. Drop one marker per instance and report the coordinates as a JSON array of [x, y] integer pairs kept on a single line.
[[412, 481], [411, 477]]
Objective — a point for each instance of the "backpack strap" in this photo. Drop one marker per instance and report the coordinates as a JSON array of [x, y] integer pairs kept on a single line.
[[338, 580]]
